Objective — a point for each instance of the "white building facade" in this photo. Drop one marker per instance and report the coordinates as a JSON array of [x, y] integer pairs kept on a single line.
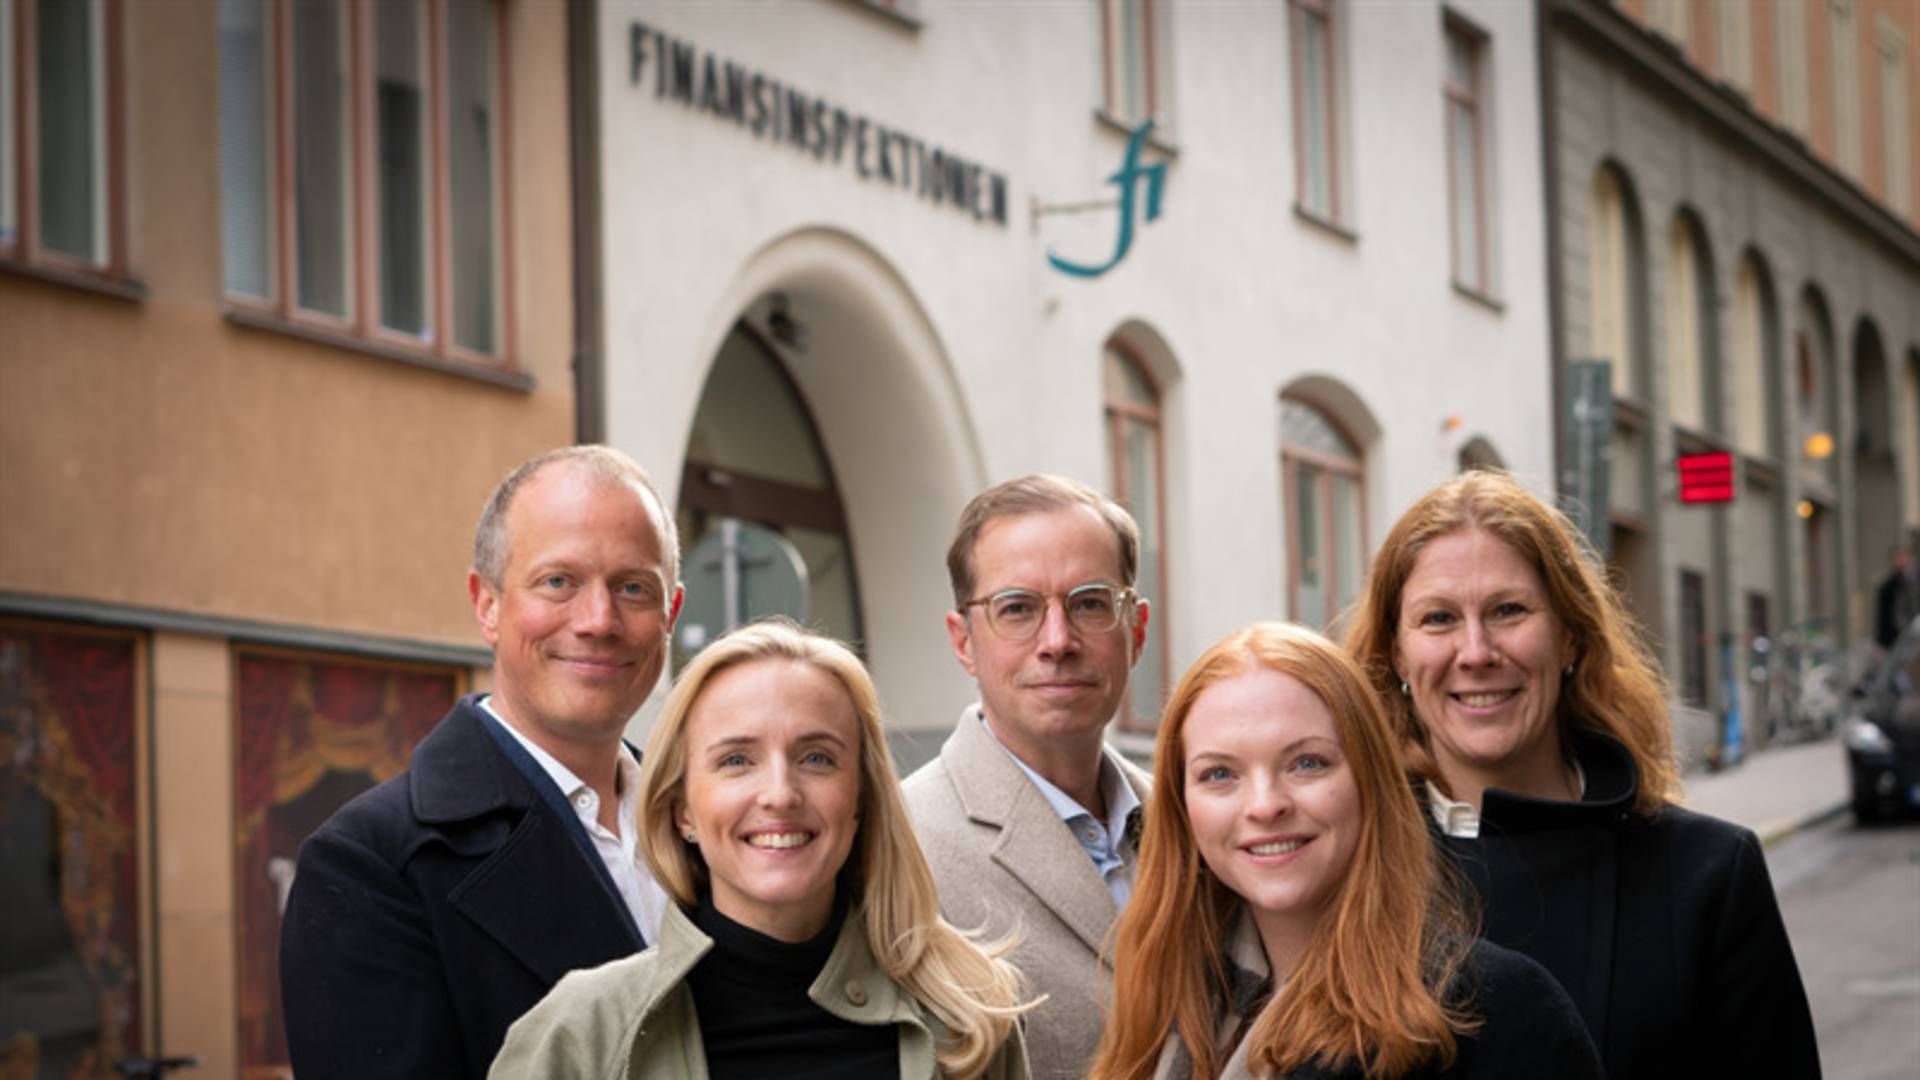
[[829, 311]]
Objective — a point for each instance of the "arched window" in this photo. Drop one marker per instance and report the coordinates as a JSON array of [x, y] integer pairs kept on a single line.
[[1689, 300], [1323, 488], [1616, 273], [1135, 459], [1754, 347]]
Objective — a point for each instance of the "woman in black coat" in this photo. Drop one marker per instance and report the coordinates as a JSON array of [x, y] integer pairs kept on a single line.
[[1534, 722]]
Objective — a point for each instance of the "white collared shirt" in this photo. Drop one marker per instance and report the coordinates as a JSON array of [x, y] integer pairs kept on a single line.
[[1112, 846], [1463, 819], [644, 897]]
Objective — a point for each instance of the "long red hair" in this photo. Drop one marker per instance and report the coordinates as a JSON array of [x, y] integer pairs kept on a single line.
[[1370, 990]]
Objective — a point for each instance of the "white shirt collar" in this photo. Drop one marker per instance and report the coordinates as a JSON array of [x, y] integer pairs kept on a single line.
[[626, 774], [1121, 801], [1463, 819]]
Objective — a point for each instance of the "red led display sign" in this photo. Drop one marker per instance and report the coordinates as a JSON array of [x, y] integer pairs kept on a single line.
[[1705, 478]]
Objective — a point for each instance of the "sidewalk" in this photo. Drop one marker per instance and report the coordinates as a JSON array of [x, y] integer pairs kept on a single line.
[[1777, 791]]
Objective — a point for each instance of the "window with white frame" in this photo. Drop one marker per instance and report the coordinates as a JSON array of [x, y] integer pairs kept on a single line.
[[1672, 18], [58, 91], [1843, 39], [1467, 131], [1134, 88], [1314, 35], [389, 224], [1323, 487], [1896, 133], [1733, 41], [1790, 62], [1135, 457]]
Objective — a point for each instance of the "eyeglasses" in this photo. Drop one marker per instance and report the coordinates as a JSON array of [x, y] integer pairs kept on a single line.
[[1017, 614]]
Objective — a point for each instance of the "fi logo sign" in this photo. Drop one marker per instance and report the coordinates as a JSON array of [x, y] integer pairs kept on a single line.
[[1128, 178]]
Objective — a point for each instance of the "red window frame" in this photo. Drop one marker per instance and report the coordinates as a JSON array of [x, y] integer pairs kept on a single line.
[[1299, 12], [363, 319]]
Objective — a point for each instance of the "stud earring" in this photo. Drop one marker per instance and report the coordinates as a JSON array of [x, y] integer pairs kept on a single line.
[[1568, 672], [690, 838], [1405, 690]]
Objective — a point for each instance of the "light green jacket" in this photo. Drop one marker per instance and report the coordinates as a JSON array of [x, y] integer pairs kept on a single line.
[[633, 1019]]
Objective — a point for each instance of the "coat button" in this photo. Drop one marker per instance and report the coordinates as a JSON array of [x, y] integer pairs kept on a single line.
[[856, 993]]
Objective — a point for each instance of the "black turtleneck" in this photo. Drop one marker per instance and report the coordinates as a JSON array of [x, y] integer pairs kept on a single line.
[[756, 1020]]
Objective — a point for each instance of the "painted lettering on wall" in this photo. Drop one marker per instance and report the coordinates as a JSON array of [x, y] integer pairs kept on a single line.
[[786, 115], [1128, 178]]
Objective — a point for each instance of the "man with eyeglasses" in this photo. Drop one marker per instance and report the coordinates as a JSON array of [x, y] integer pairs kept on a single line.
[[1030, 821]]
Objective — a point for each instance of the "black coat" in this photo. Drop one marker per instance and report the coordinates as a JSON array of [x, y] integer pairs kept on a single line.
[[1528, 1030], [1664, 931], [429, 913]]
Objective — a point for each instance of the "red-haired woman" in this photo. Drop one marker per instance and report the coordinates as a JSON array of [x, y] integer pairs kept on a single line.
[[1286, 919], [1535, 723]]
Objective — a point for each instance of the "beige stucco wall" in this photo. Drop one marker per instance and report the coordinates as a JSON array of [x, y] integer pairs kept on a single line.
[[153, 453]]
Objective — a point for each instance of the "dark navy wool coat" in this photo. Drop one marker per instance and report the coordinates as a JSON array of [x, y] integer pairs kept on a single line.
[[429, 913]]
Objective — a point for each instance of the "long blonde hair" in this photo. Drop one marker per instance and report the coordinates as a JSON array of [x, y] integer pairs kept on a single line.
[[1615, 689], [975, 993], [1369, 992]]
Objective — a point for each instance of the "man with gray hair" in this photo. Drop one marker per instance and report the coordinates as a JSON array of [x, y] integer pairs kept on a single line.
[[429, 913], [1030, 822]]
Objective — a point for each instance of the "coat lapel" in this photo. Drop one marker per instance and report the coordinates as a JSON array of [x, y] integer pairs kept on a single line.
[[531, 891], [1034, 846]]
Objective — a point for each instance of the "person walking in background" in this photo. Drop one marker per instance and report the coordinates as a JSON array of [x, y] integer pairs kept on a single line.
[[1288, 918], [1896, 600], [1028, 819], [1534, 721], [429, 913], [805, 938]]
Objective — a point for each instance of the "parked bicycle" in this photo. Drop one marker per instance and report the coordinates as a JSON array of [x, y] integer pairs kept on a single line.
[[1799, 684]]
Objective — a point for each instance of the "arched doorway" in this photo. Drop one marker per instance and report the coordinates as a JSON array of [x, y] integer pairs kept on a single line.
[[761, 522]]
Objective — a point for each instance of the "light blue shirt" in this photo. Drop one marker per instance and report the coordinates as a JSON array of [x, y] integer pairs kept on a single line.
[[1114, 845]]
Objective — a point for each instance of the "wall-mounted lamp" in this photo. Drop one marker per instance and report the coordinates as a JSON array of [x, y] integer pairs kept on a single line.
[[1819, 446], [783, 326]]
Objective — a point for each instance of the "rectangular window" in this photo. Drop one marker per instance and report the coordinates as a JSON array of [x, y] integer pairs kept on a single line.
[[8, 198], [1316, 112], [57, 113], [71, 831], [1466, 155], [1790, 46], [386, 117], [1896, 147], [313, 732], [1844, 41], [1130, 54], [1693, 639], [1734, 41], [246, 160]]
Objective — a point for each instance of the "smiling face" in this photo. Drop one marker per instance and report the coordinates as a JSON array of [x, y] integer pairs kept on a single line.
[[1060, 687], [772, 792], [1481, 651], [1272, 801], [579, 619]]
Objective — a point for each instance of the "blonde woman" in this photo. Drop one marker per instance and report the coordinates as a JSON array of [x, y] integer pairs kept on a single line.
[[1286, 919], [805, 938]]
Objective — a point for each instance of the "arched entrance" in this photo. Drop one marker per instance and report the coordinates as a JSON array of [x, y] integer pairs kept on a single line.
[[761, 521], [830, 417]]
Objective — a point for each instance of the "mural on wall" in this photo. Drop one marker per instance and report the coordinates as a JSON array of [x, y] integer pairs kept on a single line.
[[69, 942], [313, 733]]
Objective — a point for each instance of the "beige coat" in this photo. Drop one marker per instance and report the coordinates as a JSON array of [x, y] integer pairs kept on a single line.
[[633, 1019], [1006, 864]]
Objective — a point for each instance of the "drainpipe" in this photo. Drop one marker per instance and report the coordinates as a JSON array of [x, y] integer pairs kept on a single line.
[[1550, 196], [583, 154]]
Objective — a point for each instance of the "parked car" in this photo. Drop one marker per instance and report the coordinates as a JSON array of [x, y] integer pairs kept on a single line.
[[1883, 739]]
